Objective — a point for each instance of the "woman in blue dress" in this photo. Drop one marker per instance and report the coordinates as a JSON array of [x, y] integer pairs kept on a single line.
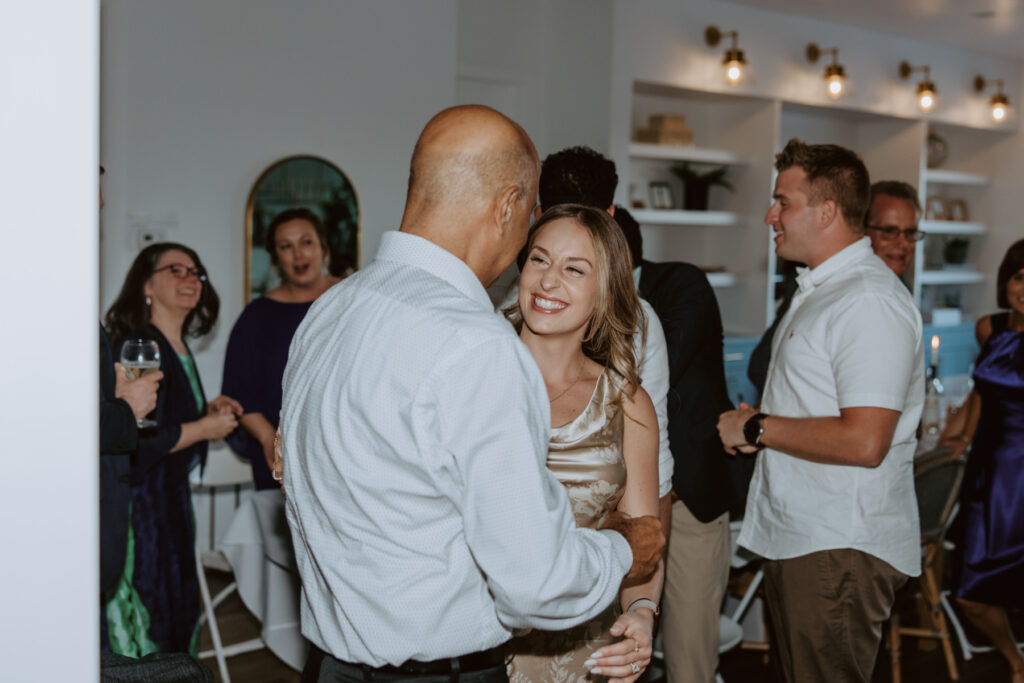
[[992, 502], [155, 605], [258, 346]]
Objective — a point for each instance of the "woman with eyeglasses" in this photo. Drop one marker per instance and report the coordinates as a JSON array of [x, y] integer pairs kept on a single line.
[[296, 240], [166, 297]]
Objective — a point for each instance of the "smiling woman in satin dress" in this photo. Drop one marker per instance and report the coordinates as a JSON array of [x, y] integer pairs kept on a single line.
[[577, 312]]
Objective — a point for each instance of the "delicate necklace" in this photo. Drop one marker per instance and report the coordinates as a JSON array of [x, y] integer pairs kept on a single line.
[[579, 375]]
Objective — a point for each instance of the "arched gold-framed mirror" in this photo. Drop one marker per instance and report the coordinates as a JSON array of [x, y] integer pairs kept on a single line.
[[301, 181]]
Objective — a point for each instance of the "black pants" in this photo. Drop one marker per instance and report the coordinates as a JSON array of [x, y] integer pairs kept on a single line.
[[324, 668]]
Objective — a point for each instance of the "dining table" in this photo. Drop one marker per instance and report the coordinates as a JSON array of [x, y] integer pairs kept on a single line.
[[258, 546]]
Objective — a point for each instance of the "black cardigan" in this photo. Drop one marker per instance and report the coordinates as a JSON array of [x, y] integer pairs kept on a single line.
[[707, 480], [118, 437]]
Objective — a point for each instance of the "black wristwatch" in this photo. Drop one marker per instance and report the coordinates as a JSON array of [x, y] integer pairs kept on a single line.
[[753, 429]]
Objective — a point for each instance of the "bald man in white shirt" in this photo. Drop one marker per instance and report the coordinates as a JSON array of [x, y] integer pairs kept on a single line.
[[415, 432], [831, 503]]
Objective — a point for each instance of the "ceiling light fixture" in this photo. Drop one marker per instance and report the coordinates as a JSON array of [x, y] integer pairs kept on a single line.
[[835, 75], [1000, 103], [927, 93], [734, 61]]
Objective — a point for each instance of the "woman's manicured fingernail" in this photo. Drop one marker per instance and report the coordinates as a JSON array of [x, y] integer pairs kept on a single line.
[[589, 663]]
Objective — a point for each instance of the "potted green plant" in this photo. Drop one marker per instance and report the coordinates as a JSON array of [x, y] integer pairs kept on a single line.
[[954, 251], [697, 184]]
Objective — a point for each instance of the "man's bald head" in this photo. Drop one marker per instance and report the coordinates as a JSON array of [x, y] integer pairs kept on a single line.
[[466, 156]]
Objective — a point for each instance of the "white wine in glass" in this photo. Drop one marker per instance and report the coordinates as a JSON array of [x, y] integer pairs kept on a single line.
[[141, 357]]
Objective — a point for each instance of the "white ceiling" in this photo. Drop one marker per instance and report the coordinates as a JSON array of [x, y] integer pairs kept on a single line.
[[994, 27]]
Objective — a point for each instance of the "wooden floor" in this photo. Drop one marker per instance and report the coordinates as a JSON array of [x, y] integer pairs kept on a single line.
[[737, 666]]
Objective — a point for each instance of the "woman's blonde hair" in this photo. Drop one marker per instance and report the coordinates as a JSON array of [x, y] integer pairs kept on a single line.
[[617, 316]]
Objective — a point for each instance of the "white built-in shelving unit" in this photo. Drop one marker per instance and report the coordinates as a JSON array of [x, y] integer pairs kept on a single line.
[[730, 239]]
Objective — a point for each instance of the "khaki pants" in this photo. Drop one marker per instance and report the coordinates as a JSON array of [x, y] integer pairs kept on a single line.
[[696, 574], [827, 610]]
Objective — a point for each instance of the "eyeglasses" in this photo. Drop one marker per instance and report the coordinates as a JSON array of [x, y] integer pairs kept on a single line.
[[183, 272], [891, 233]]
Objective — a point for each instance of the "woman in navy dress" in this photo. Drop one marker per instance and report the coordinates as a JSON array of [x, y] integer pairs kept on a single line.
[[155, 605], [258, 346], [992, 503]]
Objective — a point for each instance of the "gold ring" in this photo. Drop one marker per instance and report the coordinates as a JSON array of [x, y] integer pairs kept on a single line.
[[635, 667], [637, 648]]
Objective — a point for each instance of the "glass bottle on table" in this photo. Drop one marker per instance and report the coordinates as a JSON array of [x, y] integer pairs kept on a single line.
[[931, 415], [139, 358]]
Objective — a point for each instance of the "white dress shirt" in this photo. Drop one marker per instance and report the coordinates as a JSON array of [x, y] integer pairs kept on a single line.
[[654, 379], [852, 338], [415, 431], [654, 376]]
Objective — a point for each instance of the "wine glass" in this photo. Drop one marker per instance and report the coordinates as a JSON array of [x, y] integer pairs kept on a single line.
[[141, 357]]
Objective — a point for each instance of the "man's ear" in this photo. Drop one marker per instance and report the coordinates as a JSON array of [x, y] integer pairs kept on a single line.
[[611, 210], [828, 211], [537, 211], [504, 207]]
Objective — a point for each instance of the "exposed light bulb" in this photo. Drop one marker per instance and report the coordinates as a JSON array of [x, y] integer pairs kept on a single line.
[[926, 96], [1000, 107], [835, 87], [734, 72]]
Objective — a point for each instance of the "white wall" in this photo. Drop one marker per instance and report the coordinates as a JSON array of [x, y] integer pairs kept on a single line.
[[48, 373], [550, 59], [199, 97]]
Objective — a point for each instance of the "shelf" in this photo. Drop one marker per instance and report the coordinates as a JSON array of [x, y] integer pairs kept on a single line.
[[648, 150], [721, 279], [938, 175], [679, 217], [952, 227], [951, 276]]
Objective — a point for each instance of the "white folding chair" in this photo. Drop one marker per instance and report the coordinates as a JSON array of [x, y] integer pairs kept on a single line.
[[223, 468]]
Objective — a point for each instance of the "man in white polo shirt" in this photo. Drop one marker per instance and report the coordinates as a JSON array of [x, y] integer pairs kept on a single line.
[[831, 503]]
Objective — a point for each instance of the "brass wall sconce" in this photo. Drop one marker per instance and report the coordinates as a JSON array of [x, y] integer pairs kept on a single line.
[[733, 61], [1000, 103], [835, 75], [927, 93]]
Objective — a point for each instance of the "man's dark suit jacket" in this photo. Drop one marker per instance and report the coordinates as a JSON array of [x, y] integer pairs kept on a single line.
[[118, 436], [708, 480]]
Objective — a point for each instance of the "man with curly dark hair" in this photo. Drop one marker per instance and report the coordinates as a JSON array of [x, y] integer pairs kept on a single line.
[[578, 175]]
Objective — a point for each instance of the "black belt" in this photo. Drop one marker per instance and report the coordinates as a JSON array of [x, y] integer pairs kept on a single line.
[[451, 666]]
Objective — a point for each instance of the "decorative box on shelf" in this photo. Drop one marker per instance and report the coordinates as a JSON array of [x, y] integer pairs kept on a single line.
[[665, 129]]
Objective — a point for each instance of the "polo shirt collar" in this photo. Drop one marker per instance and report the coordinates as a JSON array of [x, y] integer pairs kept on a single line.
[[415, 251], [809, 278]]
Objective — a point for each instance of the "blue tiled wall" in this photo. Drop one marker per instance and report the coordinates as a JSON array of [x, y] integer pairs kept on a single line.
[[957, 348], [736, 354], [957, 351]]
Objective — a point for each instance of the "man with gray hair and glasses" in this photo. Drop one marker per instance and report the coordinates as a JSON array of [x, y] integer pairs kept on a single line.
[[891, 222]]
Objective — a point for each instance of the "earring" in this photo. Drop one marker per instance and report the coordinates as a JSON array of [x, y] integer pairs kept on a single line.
[[149, 302], [508, 215]]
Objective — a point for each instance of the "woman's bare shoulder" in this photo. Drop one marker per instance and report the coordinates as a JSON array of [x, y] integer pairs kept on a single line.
[[983, 329]]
